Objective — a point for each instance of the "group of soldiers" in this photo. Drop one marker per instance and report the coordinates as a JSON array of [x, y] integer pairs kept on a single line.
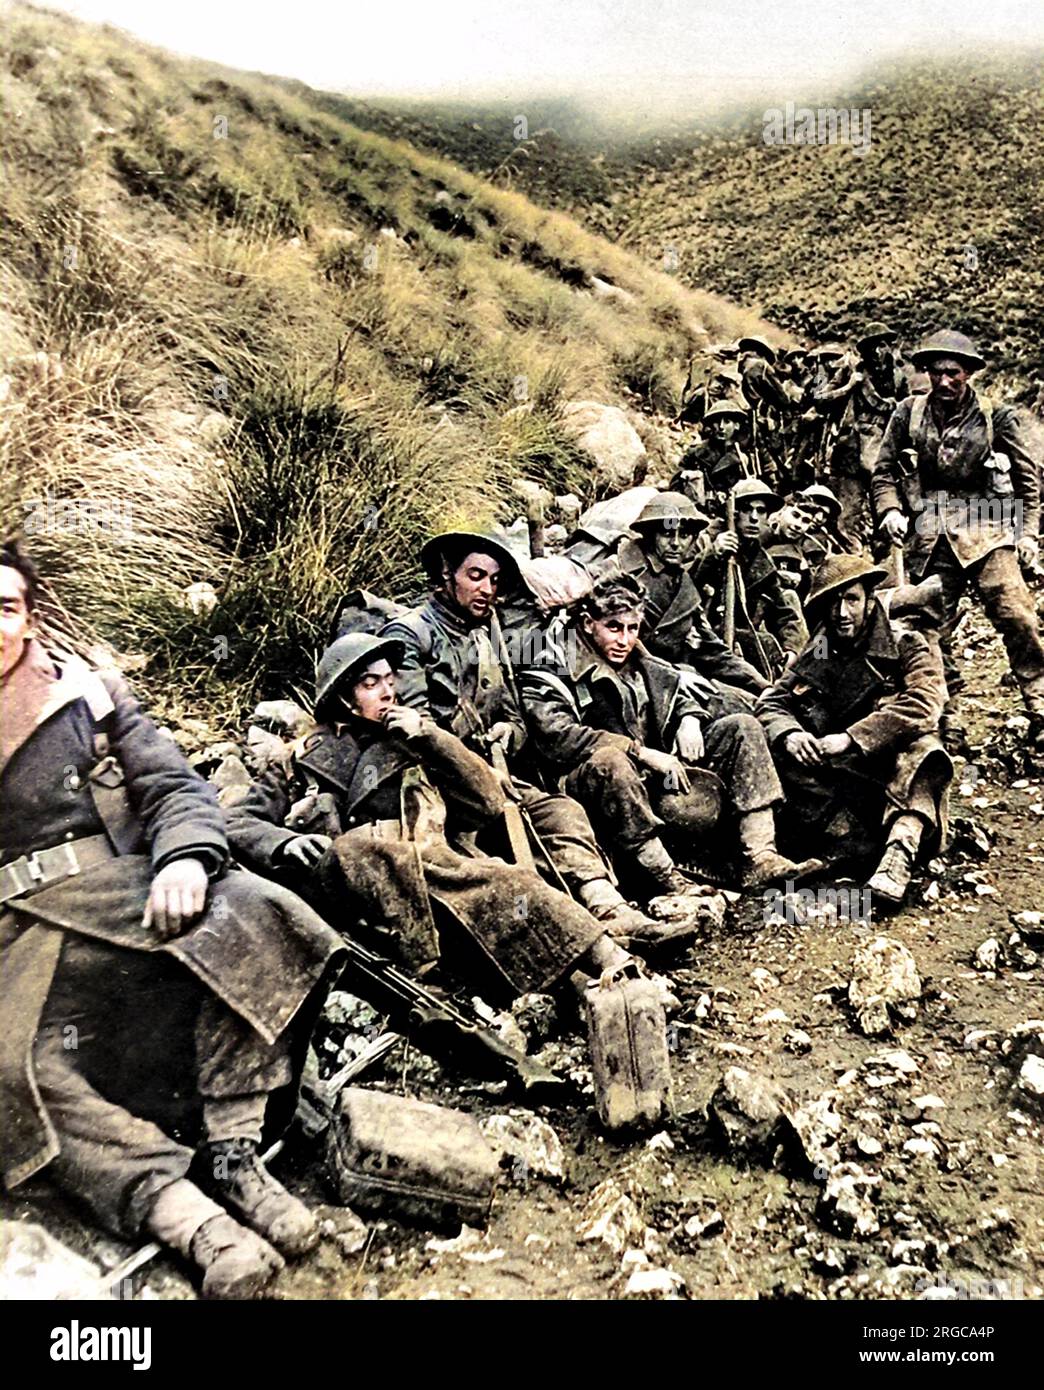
[[503, 787]]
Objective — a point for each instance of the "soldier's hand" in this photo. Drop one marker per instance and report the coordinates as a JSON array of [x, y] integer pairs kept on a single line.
[[834, 745], [501, 733], [177, 896], [1028, 551], [895, 525], [689, 741], [726, 543], [306, 850], [670, 768], [804, 748], [404, 720]]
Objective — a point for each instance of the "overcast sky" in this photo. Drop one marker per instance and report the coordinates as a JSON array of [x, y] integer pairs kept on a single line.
[[640, 49]]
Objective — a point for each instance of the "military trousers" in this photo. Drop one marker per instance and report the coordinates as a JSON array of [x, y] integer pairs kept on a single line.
[[108, 1070], [1009, 606], [619, 795]]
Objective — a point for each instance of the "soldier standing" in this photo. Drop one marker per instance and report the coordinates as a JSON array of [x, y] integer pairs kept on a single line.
[[961, 470]]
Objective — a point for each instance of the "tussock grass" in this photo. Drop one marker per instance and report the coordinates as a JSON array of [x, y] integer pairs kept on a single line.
[[286, 348]]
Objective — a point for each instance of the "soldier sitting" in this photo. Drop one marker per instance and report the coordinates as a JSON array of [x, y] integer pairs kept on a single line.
[[622, 729], [457, 667], [148, 992], [852, 728], [376, 780]]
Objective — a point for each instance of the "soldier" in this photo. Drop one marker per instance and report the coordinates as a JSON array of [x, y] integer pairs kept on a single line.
[[722, 457], [962, 469], [458, 669], [852, 728], [770, 405], [769, 625], [824, 536], [676, 627], [622, 728], [722, 383], [378, 778], [792, 563], [147, 991]]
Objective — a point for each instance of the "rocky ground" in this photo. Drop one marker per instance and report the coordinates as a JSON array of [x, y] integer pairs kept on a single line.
[[806, 1158]]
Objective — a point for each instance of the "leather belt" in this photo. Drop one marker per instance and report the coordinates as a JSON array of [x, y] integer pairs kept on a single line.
[[27, 875]]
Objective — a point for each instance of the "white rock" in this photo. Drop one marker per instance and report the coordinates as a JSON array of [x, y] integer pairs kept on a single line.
[[884, 982], [1031, 1076], [610, 1216], [608, 437], [34, 1265], [529, 1141]]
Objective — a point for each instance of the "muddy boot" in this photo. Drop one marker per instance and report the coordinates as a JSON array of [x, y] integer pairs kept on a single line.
[[231, 1170], [629, 926], [235, 1263], [893, 874], [763, 864]]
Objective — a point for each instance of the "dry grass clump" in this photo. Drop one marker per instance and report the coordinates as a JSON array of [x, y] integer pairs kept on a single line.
[[275, 352]]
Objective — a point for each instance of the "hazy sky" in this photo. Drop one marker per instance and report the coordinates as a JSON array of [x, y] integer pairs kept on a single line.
[[641, 49]]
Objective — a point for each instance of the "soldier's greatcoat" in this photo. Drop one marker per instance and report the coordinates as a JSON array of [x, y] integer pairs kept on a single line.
[[256, 947], [948, 489], [887, 691], [391, 864]]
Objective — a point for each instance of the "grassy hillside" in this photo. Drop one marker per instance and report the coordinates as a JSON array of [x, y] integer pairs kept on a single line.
[[816, 239], [820, 240], [284, 349]]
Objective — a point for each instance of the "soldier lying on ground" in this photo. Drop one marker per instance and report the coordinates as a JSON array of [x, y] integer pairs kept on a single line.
[[623, 729], [147, 991], [380, 778], [852, 728], [458, 667]]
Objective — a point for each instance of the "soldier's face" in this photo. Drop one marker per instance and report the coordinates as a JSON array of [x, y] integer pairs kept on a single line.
[[674, 546], [949, 379], [473, 586], [16, 620], [848, 611], [724, 428], [750, 517], [792, 522], [614, 637], [374, 693]]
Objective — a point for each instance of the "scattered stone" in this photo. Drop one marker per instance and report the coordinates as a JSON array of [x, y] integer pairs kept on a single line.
[[265, 750], [529, 1143], [283, 715], [232, 780], [537, 1017], [846, 1203], [989, 955], [884, 985], [798, 1041], [706, 911], [605, 434], [200, 598], [611, 1216], [700, 1227], [773, 1016], [654, 1282], [1031, 1076], [868, 1146], [747, 1112], [818, 1128], [34, 1265]]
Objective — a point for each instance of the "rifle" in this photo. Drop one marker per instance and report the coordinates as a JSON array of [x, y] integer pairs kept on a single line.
[[518, 836], [730, 580], [440, 1027]]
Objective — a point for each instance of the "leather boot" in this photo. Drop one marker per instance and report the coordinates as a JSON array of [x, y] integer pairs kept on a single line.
[[629, 926], [661, 868], [235, 1262], [231, 1170], [763, 862], [892, 876]]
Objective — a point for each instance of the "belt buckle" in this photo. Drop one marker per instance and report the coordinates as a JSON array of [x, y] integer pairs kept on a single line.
[[34, 868]]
